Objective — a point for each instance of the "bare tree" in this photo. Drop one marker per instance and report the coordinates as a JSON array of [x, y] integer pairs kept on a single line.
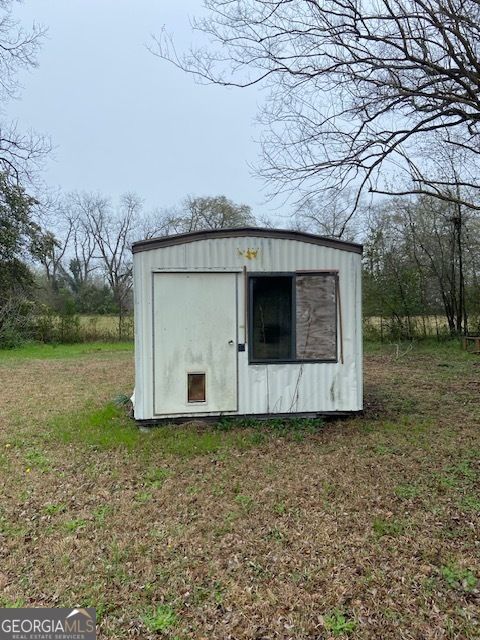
[[20, 152], [112, 232], [76, 210], [449, 164], [50, 251], [329, 217], [413, 265], [356, 87], [195, 213]]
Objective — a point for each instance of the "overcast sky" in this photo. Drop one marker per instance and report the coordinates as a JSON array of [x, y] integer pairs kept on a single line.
[[121, 119]]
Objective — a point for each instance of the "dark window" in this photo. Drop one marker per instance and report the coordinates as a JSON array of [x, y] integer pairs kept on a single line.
[[271, 318], [196, 387], [293, 317]]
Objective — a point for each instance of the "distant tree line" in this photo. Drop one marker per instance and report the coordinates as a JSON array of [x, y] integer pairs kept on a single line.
[[421, 258], [422, 264], [76, 257]]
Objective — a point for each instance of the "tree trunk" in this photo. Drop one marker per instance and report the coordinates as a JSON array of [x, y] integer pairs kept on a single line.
[[462, 303]]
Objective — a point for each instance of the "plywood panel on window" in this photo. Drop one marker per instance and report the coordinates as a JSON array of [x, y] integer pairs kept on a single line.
[[316, 317]]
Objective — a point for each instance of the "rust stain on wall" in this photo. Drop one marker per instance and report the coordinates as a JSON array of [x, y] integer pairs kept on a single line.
[[249, 254]]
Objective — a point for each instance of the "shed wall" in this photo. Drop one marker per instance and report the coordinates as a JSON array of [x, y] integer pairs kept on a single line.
[[262, 388]]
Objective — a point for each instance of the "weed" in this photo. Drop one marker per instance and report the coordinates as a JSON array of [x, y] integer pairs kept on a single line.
[[53, 509], [121, 400], [218, 489], [280, 508], [162, 618], [193, 490], [100, 513], [218, 592], [6, 603], [406, 491], [72, 526], [199, 595], [156, 477], [117, 556], [446, 481], [382, 449], [458, 578], [429, 585], [328, 489], [471, 502], [10, 529], [338, 623], [258, 437], [143, 497], [390, 528], [246, 502], [226, 526], [464, 469], [283, 425], [301, 577], [228, 423], [276, 534], [38, 459]]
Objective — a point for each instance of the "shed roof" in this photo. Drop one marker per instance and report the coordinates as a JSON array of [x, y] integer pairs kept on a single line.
[[281, 234]]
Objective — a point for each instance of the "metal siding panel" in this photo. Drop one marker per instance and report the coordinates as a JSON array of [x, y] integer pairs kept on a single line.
[[143, 345], [309, 387]]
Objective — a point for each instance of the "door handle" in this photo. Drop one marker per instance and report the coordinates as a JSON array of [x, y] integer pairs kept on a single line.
[[231, 342]]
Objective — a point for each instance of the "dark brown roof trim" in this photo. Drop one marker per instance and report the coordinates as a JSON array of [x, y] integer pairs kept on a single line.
[[281, 234]]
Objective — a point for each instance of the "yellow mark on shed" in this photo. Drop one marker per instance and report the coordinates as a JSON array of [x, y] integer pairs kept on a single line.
[[249, 254]]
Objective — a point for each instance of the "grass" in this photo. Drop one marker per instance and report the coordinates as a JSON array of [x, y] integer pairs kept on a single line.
[[72, 526], [362, 528], [459, 578], [441, 349], [53, 509], [104, 428], [382, 527], [407, 491], [31, 351], [110, 428]]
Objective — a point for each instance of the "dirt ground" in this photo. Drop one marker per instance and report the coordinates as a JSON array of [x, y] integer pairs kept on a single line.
[[361, 528]]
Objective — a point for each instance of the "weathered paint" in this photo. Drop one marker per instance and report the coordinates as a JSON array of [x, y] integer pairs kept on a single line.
[[186, 340], [262, 388]]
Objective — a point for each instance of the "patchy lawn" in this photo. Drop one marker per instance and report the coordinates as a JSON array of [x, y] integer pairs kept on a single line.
[[364, 528]]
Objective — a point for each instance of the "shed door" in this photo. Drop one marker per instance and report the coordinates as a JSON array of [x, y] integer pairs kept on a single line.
[[195, 342]]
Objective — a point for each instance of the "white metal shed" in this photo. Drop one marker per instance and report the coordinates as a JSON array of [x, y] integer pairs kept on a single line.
[[246, 322]]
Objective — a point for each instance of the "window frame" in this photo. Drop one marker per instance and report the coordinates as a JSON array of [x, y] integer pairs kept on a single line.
[[293, 277]]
